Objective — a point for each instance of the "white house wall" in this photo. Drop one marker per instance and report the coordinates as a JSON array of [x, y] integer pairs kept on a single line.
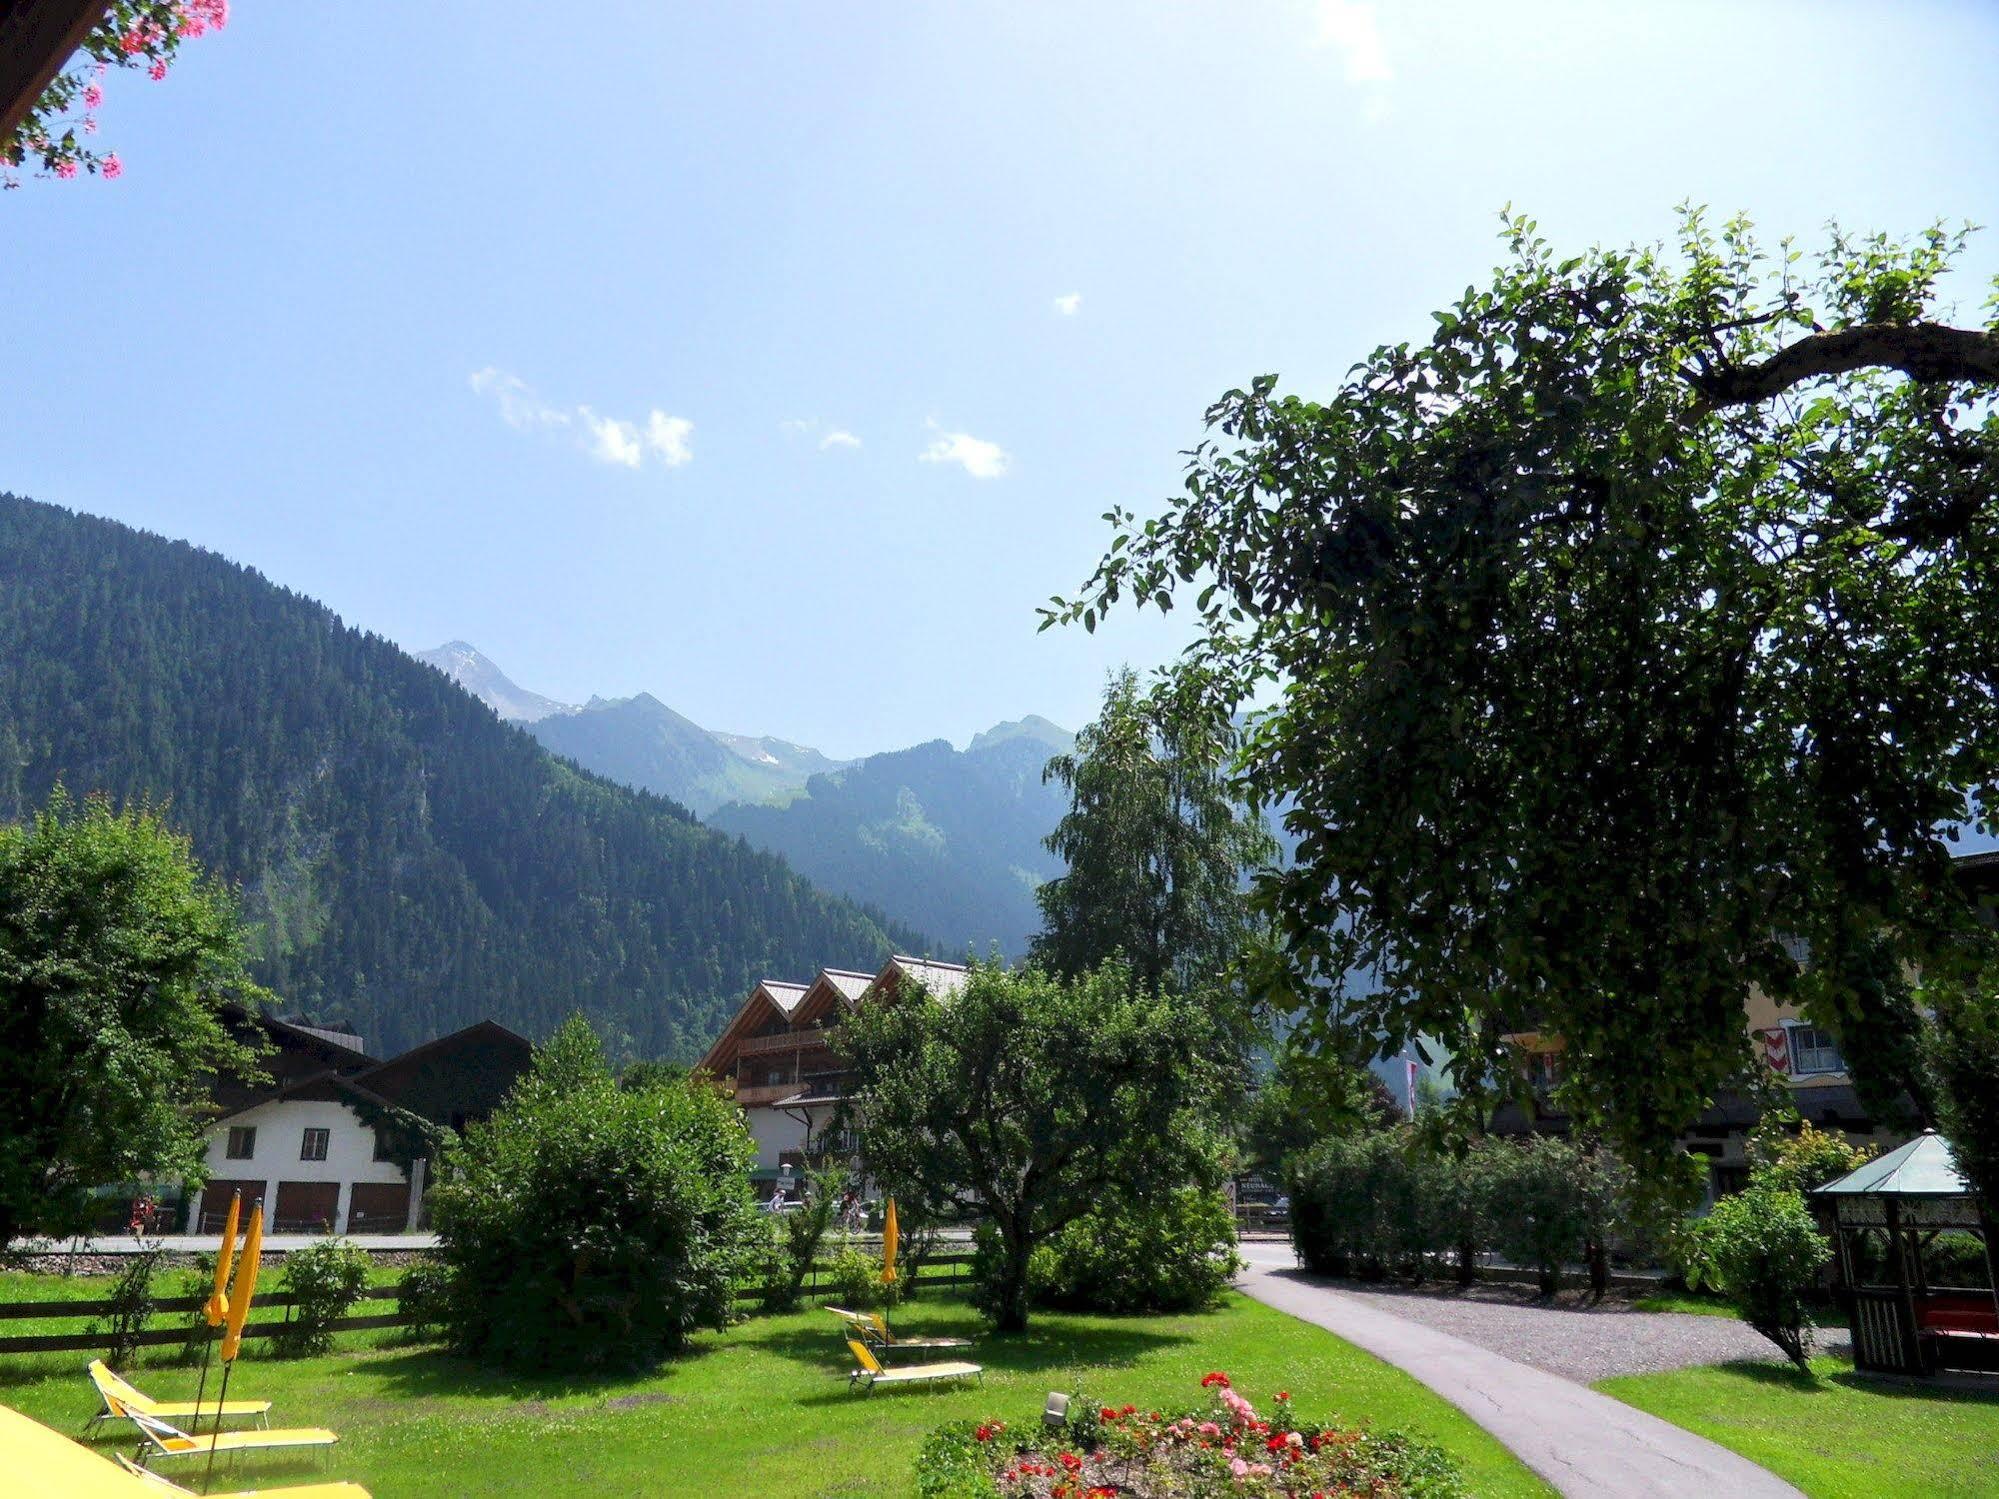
[[281, 1127]]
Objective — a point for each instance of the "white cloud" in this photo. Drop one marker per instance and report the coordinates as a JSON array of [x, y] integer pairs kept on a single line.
[[839, 437], [605, 438], [1069, 303], [519, 406], [979, 458], [611, 441], [1348, 26], [667, 437]]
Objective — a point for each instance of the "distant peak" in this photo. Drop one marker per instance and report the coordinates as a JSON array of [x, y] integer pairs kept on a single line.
[[473, 670], [1033, 727]]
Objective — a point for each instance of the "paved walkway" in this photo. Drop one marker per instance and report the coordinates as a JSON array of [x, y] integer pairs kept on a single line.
[[1583, 1443]]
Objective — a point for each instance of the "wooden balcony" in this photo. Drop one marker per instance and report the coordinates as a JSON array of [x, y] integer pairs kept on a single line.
[[766, 1092], [758, 1046]]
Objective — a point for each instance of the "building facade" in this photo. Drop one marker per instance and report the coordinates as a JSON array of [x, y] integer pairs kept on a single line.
[[318, 1144], [776, 1056]]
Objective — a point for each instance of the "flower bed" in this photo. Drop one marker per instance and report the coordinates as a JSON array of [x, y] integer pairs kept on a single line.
[[1224, 1449]]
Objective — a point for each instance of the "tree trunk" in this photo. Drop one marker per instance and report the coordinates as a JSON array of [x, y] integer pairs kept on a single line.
[[1010, 1315], [1599, 1268], [1467, 1262]]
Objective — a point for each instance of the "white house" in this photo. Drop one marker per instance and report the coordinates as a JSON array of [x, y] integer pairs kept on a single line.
[[306, 1143]]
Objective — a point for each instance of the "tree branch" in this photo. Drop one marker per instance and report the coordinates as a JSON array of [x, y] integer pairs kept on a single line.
[[1922, 351]]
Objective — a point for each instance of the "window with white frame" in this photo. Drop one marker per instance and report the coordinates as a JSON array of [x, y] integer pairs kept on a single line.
[[1813, 1049], [313, 1146]]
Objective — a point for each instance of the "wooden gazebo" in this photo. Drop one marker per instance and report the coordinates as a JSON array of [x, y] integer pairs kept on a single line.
[[1889, 1214]]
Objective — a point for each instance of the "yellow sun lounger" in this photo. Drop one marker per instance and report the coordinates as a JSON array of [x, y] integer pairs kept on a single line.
[[163, 1440], [874, 1331], [295, 1491], [36, 1463], [872, 1371], [121, 1398]]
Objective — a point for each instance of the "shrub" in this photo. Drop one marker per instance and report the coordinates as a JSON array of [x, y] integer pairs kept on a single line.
[[796, 1237], [423, 1297], [1174, 1255], [1355, 1208], [1541, 1210], [324, 1281], [1761, 1249], [854, 1280], [585, 1225], [131, 1301], [1799, 1161]]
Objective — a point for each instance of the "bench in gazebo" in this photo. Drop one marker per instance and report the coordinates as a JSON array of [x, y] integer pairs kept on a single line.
[[1889, 1214]]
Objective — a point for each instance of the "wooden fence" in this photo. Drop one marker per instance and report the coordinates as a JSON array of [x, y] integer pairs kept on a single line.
[[950, 1268]]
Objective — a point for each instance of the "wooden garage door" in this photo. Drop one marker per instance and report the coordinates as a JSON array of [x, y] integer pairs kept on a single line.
[[215, 1203], [307, 1207], [379, 1208]]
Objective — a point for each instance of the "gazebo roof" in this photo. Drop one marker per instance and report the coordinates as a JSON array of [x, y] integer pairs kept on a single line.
[[1922, 1168]]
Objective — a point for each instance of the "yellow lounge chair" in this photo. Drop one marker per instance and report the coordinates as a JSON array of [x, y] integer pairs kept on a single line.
[[874, 1331], [163, 1440], [871, 1370], [121, 1397], [295, 1491]]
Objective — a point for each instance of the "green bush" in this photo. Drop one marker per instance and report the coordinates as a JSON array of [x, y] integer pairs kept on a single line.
[[795, 1239], [854, 1280], [585, 1225], [1542, 1214], [423, 1297], [324, 1280], [132, 1306], [1174, 1255], [1355, 1206], [1761, 1249], [1787, 1160]]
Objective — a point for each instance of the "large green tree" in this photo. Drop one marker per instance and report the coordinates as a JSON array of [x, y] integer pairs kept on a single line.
[[1625, 645], [117, 955], [1155, 843], [1022, 1098]]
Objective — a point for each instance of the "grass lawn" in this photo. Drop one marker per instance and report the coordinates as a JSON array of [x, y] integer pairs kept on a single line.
[[764, 1408], [1841, 1436], [1704, 1304]]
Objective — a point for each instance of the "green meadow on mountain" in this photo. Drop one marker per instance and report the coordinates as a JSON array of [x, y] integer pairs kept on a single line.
[[412, 863]]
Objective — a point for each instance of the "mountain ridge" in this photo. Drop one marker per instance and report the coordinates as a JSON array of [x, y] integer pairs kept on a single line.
[[410, 863]]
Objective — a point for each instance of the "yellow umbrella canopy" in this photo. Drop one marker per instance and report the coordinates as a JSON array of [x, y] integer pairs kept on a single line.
[[39, 1461], [246, 1284], [891, 1239], [217, 1306]]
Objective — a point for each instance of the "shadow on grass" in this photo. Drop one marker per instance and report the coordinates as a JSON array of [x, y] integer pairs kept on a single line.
[[1036, 1351], [1960, 1388], [436, 1373]]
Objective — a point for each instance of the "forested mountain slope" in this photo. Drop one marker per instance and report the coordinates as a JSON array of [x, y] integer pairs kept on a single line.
[[950, 840], [413, 863]]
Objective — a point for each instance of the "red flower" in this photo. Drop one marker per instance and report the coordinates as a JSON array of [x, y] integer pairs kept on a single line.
[[1273, 1444], [1070, 1461], [1107, 1414], [1283, 1394], [1133, 1410], [1209, 1381]]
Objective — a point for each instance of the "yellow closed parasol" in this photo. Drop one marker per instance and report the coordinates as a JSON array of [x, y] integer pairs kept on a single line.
[[891, 1238]]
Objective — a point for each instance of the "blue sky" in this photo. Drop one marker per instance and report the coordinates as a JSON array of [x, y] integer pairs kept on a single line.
[[723, 351]]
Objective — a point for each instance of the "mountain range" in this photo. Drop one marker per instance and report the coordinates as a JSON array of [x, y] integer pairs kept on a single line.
[[948, 840], [410, 863]]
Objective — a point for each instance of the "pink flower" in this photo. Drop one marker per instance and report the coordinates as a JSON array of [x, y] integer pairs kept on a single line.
[[92, 96], [90, 124], [65, 170], [157, 71], [113, 168]]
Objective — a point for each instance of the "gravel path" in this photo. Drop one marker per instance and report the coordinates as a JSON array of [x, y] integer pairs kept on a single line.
[[1570, 1338]]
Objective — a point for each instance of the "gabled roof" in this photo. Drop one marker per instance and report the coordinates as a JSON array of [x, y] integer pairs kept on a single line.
[[769, 995], [315, 1088], [938, 978], [1925, 1167], [784, 996], [831, 994]]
